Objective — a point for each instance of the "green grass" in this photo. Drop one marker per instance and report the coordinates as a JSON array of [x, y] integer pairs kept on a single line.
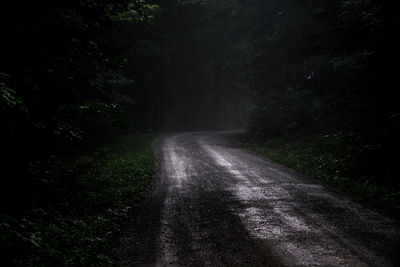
[[329, 160], [77, 223]]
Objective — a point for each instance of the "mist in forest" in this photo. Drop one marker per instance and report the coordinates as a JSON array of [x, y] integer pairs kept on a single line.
[[75, 74], [86, 86]]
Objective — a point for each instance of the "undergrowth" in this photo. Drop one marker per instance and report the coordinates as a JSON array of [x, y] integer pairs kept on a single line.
[[331, 160], [80, 207]]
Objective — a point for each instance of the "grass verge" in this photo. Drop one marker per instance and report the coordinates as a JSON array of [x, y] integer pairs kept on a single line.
[[80, 207], [329, 160]]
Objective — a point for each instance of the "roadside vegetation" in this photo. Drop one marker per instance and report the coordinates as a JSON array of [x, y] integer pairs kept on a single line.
[[80, 206], [325, 74], [315, 80], [331, 160], [67, 184]]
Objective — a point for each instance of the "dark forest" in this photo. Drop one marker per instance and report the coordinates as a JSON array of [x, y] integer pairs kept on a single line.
[[86, 86]]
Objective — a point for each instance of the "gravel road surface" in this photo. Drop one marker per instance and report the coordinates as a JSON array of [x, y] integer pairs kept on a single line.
[[217, 204]]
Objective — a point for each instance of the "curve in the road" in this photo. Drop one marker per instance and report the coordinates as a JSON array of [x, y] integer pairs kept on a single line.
[[215, 204]]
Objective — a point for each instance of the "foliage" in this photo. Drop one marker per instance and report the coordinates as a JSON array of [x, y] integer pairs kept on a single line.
[[136, 11], [76, 73], [62, 84], [76, 221], [330, 159], [205, 49], [8, 96], [339, 76]]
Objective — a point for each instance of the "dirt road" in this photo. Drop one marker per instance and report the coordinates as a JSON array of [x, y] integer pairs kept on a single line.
[[215, 204]]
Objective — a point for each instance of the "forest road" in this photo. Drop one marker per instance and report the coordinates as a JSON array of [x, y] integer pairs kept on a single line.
[[217, 204]]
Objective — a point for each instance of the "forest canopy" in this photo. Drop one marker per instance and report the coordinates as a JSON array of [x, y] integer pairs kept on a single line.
[[74, 71], [76, 74]]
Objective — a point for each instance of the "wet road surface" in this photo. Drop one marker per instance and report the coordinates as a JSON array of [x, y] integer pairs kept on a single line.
[[215, 204]]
